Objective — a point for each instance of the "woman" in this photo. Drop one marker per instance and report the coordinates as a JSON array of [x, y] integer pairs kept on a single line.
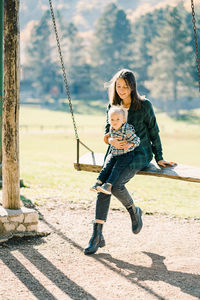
[[123, 91]]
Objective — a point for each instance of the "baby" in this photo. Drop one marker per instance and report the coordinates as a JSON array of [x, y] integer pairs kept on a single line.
[[117, 159]]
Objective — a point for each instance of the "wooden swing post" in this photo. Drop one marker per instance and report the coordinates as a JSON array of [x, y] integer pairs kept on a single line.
[[1, 78], [10, 131]]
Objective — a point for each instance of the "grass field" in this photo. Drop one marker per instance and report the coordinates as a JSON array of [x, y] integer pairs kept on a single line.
[[48, 149]]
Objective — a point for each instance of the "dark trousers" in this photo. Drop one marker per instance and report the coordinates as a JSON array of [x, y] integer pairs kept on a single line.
[[114, 166], [119, 191]]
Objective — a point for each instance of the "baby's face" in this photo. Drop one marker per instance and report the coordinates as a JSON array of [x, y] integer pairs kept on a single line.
[[116, 121]]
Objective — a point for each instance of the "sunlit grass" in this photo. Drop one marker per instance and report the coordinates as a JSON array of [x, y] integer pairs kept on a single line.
[[48, 150]]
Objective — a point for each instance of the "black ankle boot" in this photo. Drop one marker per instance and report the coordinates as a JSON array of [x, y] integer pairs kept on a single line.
[[136, 219], [97, 239]]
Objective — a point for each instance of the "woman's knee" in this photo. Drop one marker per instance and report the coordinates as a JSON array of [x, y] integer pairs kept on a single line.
[[121, 193], [124, 177], [120, 187]]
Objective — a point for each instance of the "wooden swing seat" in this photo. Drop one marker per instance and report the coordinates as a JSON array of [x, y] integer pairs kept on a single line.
[[93, 162]]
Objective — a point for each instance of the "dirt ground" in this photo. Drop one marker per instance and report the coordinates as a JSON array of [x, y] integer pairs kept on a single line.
[[161, 262]]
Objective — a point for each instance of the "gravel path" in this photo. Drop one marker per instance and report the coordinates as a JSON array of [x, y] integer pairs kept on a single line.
[[162, 262]]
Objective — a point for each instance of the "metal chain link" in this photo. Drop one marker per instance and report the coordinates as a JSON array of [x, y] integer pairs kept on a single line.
[[196, 41], [63, 69]]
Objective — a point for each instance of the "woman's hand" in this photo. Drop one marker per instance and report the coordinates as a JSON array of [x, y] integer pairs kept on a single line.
[[117, 143], [106, 137], [164, 163]]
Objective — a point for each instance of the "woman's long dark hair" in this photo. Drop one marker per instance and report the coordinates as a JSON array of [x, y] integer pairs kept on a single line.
[[130, 80]]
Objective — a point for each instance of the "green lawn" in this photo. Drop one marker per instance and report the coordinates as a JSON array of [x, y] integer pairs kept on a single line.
[[48, 149]]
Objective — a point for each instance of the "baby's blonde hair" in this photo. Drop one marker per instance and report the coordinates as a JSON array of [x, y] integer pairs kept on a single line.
[[119, 110]]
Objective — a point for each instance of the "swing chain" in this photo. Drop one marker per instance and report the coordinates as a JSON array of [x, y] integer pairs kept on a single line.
[[195, 39], [63, 69]]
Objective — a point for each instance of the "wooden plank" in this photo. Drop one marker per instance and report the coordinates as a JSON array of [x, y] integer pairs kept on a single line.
[[94, 163]]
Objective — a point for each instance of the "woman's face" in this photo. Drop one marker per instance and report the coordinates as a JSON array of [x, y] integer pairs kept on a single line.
[[123, 89]]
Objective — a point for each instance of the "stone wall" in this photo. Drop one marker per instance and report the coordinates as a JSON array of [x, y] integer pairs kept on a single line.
[[18, 221]]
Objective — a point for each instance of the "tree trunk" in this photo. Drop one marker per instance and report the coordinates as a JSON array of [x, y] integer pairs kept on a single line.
[[175, 95], [10, 133]]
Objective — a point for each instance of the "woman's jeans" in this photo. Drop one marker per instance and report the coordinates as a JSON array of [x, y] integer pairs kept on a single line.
[[119, 191]]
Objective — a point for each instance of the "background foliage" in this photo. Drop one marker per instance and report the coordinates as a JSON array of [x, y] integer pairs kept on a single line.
[[158, 47]]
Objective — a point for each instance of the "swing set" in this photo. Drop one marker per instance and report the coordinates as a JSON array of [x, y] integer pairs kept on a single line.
[[93, 162]]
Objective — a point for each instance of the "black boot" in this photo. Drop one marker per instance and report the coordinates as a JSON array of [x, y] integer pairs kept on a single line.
[[97, 239], [136, 219]]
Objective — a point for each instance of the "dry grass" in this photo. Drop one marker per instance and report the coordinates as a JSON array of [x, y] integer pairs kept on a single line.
[[48, 149]]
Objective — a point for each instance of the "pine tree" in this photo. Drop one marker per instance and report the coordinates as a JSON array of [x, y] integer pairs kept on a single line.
[[191, 43], [43, 71], [143, 31], [43, 61], [111, 47], [78, 70], [171, 58]]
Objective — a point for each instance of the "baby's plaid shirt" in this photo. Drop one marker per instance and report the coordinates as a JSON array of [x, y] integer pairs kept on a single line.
[[125, 133]]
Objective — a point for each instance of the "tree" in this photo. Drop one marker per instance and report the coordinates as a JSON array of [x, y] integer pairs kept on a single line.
[[39, 51], [78, 70], [43, 61], [111, 47], [170, 71], [143, 31], [191, 42]]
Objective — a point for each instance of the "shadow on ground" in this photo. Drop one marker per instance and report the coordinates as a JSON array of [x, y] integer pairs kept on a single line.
[[65, 284], [137, 274]]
